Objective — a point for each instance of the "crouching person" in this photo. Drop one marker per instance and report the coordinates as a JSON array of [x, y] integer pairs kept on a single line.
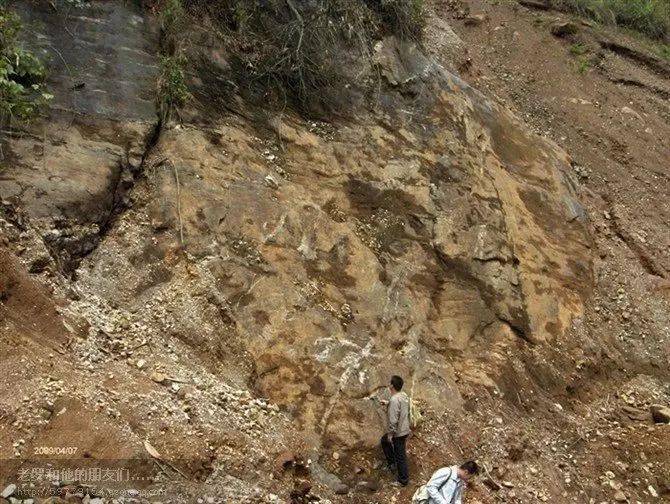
[[446, 485]]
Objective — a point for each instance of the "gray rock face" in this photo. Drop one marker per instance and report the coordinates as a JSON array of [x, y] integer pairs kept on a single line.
[[70, 171], [102, 58]]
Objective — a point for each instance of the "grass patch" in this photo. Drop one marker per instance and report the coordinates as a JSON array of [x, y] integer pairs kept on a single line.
[[22, 74], [650, 17], [578, 49], [583, 65]]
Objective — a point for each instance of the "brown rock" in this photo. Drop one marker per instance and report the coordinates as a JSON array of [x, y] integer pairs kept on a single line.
[[158, 377], [635, 413], [475, 19], [660, 414], [341, 489], [301, 488], [284, 461], [369, 486], [564, 29]]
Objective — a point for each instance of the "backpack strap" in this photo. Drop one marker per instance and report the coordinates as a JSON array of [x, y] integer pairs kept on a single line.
[[451, 471]]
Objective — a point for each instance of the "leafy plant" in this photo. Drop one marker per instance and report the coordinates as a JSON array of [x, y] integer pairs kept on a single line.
[[171, 19], [172, 89], [583, 65], [22, 90], [578, 49]]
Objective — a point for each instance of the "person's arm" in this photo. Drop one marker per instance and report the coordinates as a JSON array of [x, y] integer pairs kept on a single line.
[[460, 489], [394, 415], [433, 487]]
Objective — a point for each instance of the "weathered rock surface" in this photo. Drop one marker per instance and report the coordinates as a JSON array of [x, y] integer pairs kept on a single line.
[[303, 261], [424, 240]]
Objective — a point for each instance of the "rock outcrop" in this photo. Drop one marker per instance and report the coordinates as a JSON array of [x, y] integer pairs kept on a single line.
[[427, 238], [304, 261]]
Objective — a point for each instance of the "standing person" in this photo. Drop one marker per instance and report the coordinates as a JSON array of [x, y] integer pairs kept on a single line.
[[446, 485], [395, 440]]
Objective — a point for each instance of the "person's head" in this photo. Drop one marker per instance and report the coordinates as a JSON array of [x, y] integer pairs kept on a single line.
[[468, 469], [396, 383]]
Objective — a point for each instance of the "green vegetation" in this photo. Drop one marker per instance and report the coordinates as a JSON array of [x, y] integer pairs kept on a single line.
[[172, 89], [22, 75], [583, 65], [650, 17], [172, 19], [578, 49]]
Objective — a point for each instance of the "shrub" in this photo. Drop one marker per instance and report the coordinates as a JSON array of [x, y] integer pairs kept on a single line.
[[578, 49], [22, 75], [172, 89], [651, 17], [304, 52]]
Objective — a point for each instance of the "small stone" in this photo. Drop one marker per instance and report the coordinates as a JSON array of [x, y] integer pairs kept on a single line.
[[336, 456], [475, 19], [271, 182], [370, 486], [620, 496], [9, 490], [158, 377], [141, 363], [341, 489], [630, 111]]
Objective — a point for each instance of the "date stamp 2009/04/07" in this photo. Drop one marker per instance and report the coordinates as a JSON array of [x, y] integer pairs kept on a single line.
[[55, 450]]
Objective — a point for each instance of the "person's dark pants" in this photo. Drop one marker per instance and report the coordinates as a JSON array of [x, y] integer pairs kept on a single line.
[[396, 455]]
